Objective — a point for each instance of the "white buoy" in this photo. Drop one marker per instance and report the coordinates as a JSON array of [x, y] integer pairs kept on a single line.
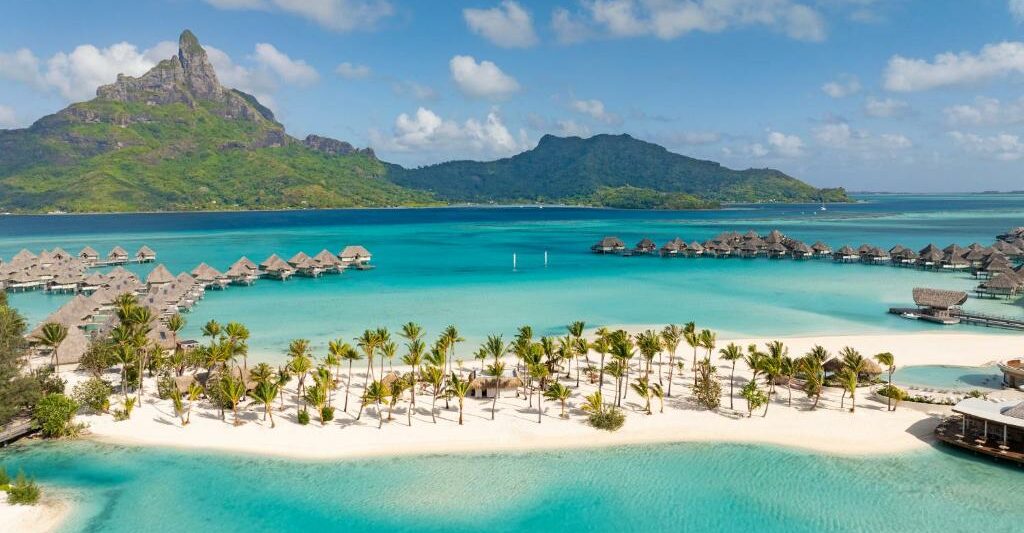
[[545, 258], [513, 262]]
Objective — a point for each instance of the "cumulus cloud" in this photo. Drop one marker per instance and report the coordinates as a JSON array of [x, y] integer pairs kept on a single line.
[[75, 75], [7, 117], [426, 131], [337, 15], [669, 19], [571, 128], [595, 109], [1017, 9], [776, 144], [986, 112], [507, 25], [417, 91], [845, 85], [1002, 147], [351, 71], [481, 79], [949, 69], [840, 135], [885, 108]]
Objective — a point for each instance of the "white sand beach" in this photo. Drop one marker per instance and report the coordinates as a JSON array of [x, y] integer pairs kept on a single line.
[[829, 428], [46, 516]]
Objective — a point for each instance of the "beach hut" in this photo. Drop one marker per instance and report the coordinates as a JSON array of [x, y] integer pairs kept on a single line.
[[145, 254], [359, 257], [937, 305], [607, 245], [821, 249], [929, 257], [846, 254], [645, 246], [673, 248], [1005, 284], [774, 237], [209, 277], [1013, 373], [306, 266], [117, 256], [487, 387], [776, 251], [298, 258], [748, 250], [801, 250], [159, 276]]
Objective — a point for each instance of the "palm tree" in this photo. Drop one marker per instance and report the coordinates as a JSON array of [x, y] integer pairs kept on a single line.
[[459, 387], [211, 329], [540, 373], [124, 355], [237, 335], [576, 330], [692, 338], [602, 344], [175, 324], [643, 391], [349, 354], [616, 369], [593, 403], [848, 378], [281, 379], [819, 352], [52, 335], [265, 393], [659, 393], [451, 338], [623, 352], [814, 376], [367, 342], [853, 365], [377, 393], [233, 390], [414, 358], [888, 361], [558, 392], [261, 373], [433, 375], [495, 347], [388, 351], [195, 390], [398, 388], [179, 407], [787, 368], [731, 353], [670, 339], [412, 331], [649, 343]]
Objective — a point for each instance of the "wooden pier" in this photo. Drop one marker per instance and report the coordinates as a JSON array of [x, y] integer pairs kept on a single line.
[[18, 428], [966, 317]]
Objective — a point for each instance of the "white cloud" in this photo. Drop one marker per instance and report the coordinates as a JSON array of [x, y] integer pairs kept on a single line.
[[845, 85], [1003, 146], [571, 128], [337, 15], [885, 108], [785, 145], [426, 131], [690, 138], [7, 117], [481, 80], [949, 69], [76, 75], [569, 28], [840, 135], [416, 90], [1017, 9], [507, 25], [291, 71], [352, 71], [669, 19], [595, 109], [986, 112]]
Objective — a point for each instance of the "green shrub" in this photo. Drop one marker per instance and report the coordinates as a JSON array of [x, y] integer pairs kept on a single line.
[[4, 478], [165, 387], [610, 419], [54, 414], [125, 413], [894, 392], [93, 393], [23, 491], [327, 414], [304, 417]]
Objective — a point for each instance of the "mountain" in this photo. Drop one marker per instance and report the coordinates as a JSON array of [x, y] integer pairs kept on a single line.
[[176, 139], [604, 170]]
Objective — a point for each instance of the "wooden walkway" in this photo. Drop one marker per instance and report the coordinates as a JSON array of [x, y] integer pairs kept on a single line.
[[968, 317], [18, 428]]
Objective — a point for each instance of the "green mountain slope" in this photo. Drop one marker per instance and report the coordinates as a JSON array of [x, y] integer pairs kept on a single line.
[[175, 139], [592, 170]]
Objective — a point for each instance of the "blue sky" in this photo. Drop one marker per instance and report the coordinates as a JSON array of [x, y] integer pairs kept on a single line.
[[899, 95]]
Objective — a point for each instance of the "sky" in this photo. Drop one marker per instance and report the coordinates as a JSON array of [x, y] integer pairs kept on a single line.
[[881, 95]]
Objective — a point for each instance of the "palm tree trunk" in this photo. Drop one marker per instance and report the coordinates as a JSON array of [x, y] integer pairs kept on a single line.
[[271, 415], [578, 372], [600, 387], [732, 382], [497, 392], [888, 398], [563, 409], [460, 411], [540, 411], [671, 368], [348, 384], [380, 416], [412, 404]]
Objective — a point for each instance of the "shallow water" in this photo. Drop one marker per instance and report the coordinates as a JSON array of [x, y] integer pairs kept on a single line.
[[684, 487], [454, 266], [950, 377]]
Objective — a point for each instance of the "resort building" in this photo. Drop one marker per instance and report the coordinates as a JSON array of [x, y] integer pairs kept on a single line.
[[995, 429], [645, 246], [243, 272], [145, 255], [487, 387], [209, 277], [159, 276], [328, 262], [359, 257], [846, 254], [607, 245], [940, 306], [276, 268], [1013, 373], [117, 256], [89, 256]]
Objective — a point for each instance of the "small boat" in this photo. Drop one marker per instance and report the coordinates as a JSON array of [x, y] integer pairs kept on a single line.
[[911, 316], [823, 206]]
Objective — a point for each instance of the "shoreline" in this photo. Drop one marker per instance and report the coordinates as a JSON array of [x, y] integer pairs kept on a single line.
[[53, 511], [830, 429]]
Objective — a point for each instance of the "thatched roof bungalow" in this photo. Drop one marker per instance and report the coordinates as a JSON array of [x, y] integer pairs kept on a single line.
[[276, 267], [145, 254], [89, 255], [159, 276], [357, 255], [645, 246], [938, 305], [487, 387], [607, 245], [117, 255], [328, 261], [846, 254]]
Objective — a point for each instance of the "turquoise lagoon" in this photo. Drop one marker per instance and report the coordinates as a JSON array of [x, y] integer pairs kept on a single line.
[[454, 266], [683, 487], [950, 377]]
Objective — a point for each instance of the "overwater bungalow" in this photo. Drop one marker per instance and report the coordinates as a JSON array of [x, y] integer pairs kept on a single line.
[[306, 266], [694, 249], [846, 254], [954, 261], [1005, 284], [23, 280], [23, 257], [117, 256], [276, 268], [159, 276], [359, 257], [673, 248], [645, 246], [92, 282], [821, 249], [939, 306], [89, 255], [45, 259], [329, 262], [1009, 250], [748, 250], [930, 257], [209, 277], [902, 256], [995, 429], [776, 251], [994, 264], [298, 258], [774, 237], [878, 256], [607, 245], [64, 281], [243, 272], [145, 254], [800, 250]]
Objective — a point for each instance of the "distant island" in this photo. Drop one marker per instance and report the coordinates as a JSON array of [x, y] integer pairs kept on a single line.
[[175, 139]]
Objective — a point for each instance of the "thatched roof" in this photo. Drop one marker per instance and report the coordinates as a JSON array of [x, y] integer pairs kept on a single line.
[[938, 298], [158, 275], [245, 262], [1002, 281], [358, 252], [117, 252], [206, 273], [931, 248], [846, 250], [833, 365], [695, 247], [89, 252], [73, 348], [774, 237], [326, 258], [145, 251], [483, 383], [646, 244], [298, 258], [819, 246], [1016, 411]]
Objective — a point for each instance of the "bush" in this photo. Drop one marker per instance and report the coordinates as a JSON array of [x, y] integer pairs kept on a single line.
[[125, 413], [892, 391], [4, 478], [610, 419], [50, 383], [54, 414], [93, 393], [304, 417], [327, 414], [165, 387], [23, 491]]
